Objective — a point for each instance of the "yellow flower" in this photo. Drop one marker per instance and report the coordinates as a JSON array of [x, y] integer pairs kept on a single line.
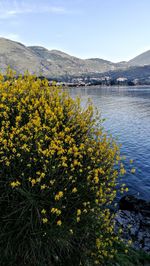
[[78, 219], [74, 190], [18, 118], [132, 170], [96, 201], [55, 210], [71, 231], [59, 195], [58, 212], [98, 243], [43, 187], [52, 182], [84, 204], [44, 220], [78, 212], [33, 182], [96, 179], [122, 171], [42, 175], [85, 211], [129, 242], [59, 222], [75, 162], [15, 184], [43, 211]]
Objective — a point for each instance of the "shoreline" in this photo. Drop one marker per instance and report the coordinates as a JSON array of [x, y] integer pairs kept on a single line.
[[87, 85], [104, 86]]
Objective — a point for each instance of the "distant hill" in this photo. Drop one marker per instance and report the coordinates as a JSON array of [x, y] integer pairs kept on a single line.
[[17, 56], [140, 60], [134, 72], [65, 64], [48, 63], [54, 64]]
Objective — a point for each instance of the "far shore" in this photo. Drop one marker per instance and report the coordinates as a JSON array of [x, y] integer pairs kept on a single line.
[[104, 86]]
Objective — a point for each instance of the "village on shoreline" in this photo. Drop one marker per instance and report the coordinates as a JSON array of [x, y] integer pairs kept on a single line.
[[101, 81]]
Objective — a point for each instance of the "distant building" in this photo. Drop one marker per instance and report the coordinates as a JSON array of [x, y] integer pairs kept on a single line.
[[136, 81], [121, 80]]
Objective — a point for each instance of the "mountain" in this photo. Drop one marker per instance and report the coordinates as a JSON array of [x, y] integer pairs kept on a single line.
[[54, 64], [17, 56], [131, 73], [140, 60], [69, 65], [48, 63]]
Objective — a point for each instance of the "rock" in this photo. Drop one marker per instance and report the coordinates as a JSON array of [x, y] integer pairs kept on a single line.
[[134, 219], [137, 245], [147, 242], [134, 230], [146, 221], [146, 249], [131, 203], [140, 236]]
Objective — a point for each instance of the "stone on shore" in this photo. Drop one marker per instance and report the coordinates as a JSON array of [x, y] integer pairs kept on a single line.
[[133, 217]]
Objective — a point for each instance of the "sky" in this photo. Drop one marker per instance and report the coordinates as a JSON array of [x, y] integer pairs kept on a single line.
[[115, 30]]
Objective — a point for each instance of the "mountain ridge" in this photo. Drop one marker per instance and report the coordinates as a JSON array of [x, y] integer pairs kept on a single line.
[[140, 60], [55, 63]]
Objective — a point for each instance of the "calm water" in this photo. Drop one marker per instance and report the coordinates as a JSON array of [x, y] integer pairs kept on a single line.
[[127, 114]]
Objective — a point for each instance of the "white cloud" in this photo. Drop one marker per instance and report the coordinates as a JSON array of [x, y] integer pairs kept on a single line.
[[13, 9]]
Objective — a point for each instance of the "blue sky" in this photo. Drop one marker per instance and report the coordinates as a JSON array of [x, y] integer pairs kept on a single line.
[[115, 30]]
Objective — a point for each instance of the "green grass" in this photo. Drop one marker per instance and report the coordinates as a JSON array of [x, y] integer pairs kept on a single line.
[[133, 257]]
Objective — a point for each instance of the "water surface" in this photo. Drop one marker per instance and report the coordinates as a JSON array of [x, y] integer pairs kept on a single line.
[[127, 114]]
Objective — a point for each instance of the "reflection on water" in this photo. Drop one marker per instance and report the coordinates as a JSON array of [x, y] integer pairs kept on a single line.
[[127, 113]]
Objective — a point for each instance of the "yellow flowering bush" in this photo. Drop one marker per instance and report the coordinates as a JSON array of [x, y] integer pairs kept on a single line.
[[58, 174]]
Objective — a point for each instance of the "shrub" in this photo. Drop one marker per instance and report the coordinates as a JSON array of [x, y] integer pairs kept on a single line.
[[57, 177]]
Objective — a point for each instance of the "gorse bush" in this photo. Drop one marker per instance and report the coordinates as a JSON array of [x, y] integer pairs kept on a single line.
[[58, 176]]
